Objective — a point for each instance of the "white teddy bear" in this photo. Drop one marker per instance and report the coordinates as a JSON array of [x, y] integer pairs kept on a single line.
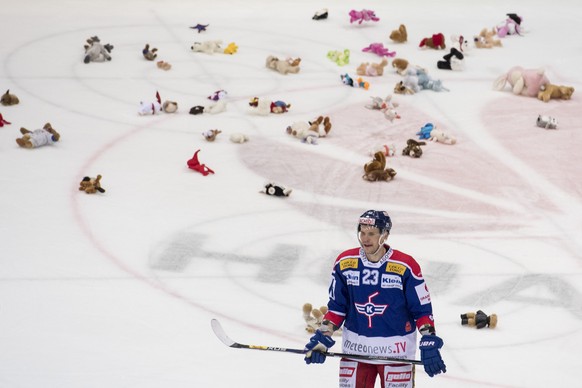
[[208, 47]]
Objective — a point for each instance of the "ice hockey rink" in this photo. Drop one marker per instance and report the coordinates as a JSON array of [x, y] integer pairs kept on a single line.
[[118, 289]]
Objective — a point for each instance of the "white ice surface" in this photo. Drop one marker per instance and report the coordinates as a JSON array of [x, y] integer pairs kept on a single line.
[[118, 289]]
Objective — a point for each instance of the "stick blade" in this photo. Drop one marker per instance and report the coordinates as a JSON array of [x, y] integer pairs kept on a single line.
[[219, 332]]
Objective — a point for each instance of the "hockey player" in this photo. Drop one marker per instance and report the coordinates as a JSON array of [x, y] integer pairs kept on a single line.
[[379, 296]]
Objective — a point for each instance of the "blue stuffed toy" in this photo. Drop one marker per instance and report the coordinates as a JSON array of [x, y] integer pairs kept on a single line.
[[425, 131]]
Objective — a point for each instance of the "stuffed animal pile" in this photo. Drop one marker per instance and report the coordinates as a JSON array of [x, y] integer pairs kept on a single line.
[[39, 137]]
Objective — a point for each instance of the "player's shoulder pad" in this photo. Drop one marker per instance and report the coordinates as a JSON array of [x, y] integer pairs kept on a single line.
[[348, 259], [399, 259]]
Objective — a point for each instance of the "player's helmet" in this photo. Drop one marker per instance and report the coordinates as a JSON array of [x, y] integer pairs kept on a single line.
[[379, 219]]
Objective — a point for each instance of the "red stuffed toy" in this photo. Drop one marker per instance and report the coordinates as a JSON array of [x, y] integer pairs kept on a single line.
[[195, 165], [437, 41]]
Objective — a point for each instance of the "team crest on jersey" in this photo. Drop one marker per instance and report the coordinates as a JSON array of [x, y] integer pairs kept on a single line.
[[348, 263], [370, 309], [396, 268]]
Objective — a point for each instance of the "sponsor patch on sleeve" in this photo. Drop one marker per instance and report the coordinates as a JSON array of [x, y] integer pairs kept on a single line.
[[396, 268], [348, 263], [423, 294]]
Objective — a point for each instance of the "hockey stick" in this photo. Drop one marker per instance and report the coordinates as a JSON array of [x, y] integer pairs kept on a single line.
[[225, 339]]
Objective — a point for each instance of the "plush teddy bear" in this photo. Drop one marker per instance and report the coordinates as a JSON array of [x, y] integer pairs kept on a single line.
[[91, 185], [313, 317], [8, 99], [3, 122], [97, 52], [454, 60], [211, 134], [309, 132], [163, 65], [413, 149], [372, 69], [526, 82], [417, 79], [436, 41], [388, 150], [341, 58], [263, 107], [238, 137], [39, 137], [386, 106], [439, 136], [547, 122], [207, 47], [549, 91], [510, 26], [218, 107], [460, 43], [479, 320], [149, 54], [376, 170], [154, 107], [400, 65], [379, 49], [400, 35], [321, 14], [282, 66], [276, 190], [486, 39], [194, 164]]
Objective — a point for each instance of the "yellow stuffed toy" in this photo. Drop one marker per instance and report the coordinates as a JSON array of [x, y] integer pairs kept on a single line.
[[549, 91]]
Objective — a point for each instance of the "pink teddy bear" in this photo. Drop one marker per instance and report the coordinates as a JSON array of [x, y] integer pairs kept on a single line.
[[526, 82]]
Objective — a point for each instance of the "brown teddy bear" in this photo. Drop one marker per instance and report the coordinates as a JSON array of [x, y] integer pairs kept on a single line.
[[486, 39], [376, 169], [313, 317], [413, 149], [283, 66], [38, 137], [400, 35], [8, 99], [91, 185], [372, 69], [479, 320], [149, 53], [549, 91]]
